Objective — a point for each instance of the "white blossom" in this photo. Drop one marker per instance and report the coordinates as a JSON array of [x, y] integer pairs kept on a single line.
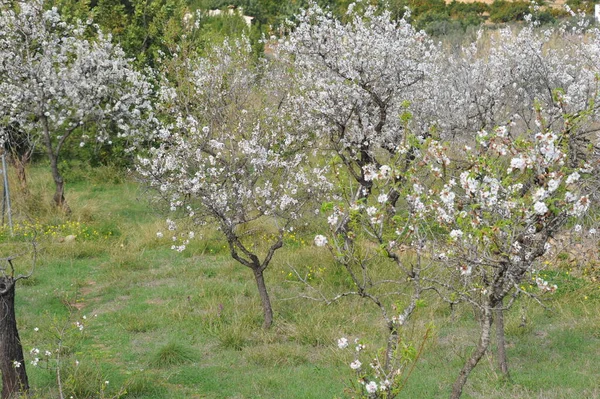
[[320, 240]]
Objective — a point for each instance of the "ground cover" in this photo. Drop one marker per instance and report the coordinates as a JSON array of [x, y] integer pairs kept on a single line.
[[162, 324]]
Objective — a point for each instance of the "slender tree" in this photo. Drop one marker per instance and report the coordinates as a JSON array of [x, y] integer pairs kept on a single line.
[[227, 156]]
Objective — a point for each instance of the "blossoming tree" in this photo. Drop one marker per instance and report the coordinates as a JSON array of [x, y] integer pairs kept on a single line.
[[56, 85], [359, 85], [500, 213], [445, 218], [227, 157], [356, 79]]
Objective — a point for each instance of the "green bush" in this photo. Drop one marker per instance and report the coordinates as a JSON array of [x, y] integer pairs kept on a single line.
[[507, 11]]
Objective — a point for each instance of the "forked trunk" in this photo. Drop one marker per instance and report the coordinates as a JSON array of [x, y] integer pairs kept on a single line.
[[12, 362], [482, 346], [264, 297]]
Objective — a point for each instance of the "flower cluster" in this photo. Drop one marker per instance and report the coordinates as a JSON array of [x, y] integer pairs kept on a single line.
[[373, 381]]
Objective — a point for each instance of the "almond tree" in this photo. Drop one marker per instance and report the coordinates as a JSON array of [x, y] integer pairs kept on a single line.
[[59, 88], [359, 86], [228, 157], [385, 250], [519, 78], [355, 80], [500, 213]]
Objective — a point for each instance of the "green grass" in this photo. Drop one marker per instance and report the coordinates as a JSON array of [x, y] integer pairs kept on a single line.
[[161, 324]]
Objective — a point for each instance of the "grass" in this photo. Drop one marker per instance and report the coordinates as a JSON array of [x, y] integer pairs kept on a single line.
[[161, 324]]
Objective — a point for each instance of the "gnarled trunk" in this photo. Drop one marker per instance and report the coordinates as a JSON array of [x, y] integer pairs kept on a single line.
[[12, 362]]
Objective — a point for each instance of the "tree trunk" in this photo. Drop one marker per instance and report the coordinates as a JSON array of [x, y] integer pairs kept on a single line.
[[264, 297], [484, 342], [392, 344], [21, 175], [20, 162], [59, 194], [501, 342], [12, 362]]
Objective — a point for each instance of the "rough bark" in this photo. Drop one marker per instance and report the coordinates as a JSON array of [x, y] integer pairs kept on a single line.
[[264, 297], [501, 342], [21, 174], [482, 346], [14, 379], [392, 344], [59, 194]]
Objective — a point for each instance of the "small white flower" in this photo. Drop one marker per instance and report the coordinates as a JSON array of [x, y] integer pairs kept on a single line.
[[320, 240], [159, 234], [540, 208], [382, 199], [539, 194], [573, 177], [384, 171], [465, 270], [553, 185], [400, 320], [16, 364], [332, 220], [371, 387], [456, 234], [517, 163], [342, 343], [355, 365]]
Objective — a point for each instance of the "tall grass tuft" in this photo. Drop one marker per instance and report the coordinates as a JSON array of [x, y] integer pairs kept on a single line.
[[171, 354]]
